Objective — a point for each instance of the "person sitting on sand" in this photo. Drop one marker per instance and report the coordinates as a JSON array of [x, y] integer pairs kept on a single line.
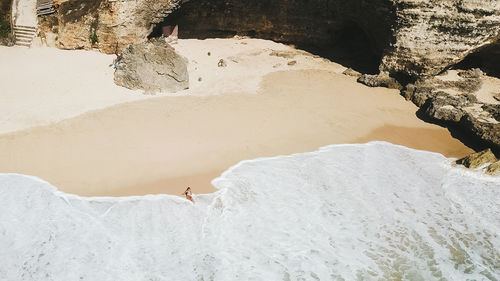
[[189, 194]]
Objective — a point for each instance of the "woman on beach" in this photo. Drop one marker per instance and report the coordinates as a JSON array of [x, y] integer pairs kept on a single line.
[[189, 194]]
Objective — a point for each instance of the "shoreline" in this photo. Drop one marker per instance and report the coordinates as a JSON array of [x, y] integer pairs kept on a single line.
[[132, 148]]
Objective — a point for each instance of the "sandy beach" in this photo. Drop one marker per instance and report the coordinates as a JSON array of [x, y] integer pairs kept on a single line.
[[41, 86], [125, 143]]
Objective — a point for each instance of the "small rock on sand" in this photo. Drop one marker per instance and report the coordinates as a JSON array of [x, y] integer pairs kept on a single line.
[[351, 72]]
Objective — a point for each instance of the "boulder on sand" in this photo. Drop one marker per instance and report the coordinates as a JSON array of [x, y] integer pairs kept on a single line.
[[152, 67]]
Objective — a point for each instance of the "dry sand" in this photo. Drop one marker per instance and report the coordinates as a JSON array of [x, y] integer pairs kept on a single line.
[[486, 94], [40, 86], [162, 145]]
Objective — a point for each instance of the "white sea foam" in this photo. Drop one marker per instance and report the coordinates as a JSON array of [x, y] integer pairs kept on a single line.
[[345, 212]]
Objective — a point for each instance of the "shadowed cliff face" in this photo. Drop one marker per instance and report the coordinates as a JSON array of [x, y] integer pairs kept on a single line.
[[354, 33], [487, 59], [406, 38], [431, 36]]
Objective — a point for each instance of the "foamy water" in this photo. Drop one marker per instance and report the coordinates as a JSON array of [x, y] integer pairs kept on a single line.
[[345, 212]]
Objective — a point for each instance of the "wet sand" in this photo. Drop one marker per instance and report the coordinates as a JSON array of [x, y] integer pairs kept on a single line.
[[164, 144]]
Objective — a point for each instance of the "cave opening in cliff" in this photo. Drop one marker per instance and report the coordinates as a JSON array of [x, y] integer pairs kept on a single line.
[[352, 48], [164, 27], [487, 59]]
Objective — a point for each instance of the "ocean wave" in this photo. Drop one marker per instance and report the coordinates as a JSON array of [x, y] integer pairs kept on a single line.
[[372, 211]]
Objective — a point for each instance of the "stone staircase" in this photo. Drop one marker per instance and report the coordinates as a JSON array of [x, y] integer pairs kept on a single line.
[[24, 35], [46, 8]]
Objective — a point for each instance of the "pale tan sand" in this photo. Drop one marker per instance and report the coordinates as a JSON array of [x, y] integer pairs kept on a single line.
[[40, 86], [489, 89], [248, 61], [163, 145]]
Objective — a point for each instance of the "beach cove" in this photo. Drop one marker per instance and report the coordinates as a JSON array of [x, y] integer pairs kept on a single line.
[[76, 129]]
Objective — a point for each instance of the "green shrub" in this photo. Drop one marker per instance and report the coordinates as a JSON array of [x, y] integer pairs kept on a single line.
[[4, 28], [5, 18], [93, 31], [93, 37]]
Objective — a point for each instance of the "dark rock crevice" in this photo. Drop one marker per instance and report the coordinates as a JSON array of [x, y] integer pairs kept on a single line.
[[486, 58]]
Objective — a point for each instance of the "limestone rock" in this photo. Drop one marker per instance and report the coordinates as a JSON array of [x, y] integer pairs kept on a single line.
[[493, 169], [381, 80], [445, 107], [115, 24], [481, 124], [153, 67], [478, 159], [351, 72], [455, 101], [413, 38], [430, 36]]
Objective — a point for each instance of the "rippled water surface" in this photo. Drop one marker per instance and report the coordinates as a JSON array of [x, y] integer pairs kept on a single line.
[[345, 212]]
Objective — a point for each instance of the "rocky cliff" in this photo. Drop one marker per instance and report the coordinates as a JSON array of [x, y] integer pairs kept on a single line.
[[108, 26], [358, 31], [432, 35]]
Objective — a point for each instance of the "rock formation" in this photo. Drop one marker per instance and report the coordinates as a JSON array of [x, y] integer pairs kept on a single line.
[[430, 36], [478, 159], [352, 72], [493, 169], [153, 67], [381, 80], [108, 26], [455, 99]]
